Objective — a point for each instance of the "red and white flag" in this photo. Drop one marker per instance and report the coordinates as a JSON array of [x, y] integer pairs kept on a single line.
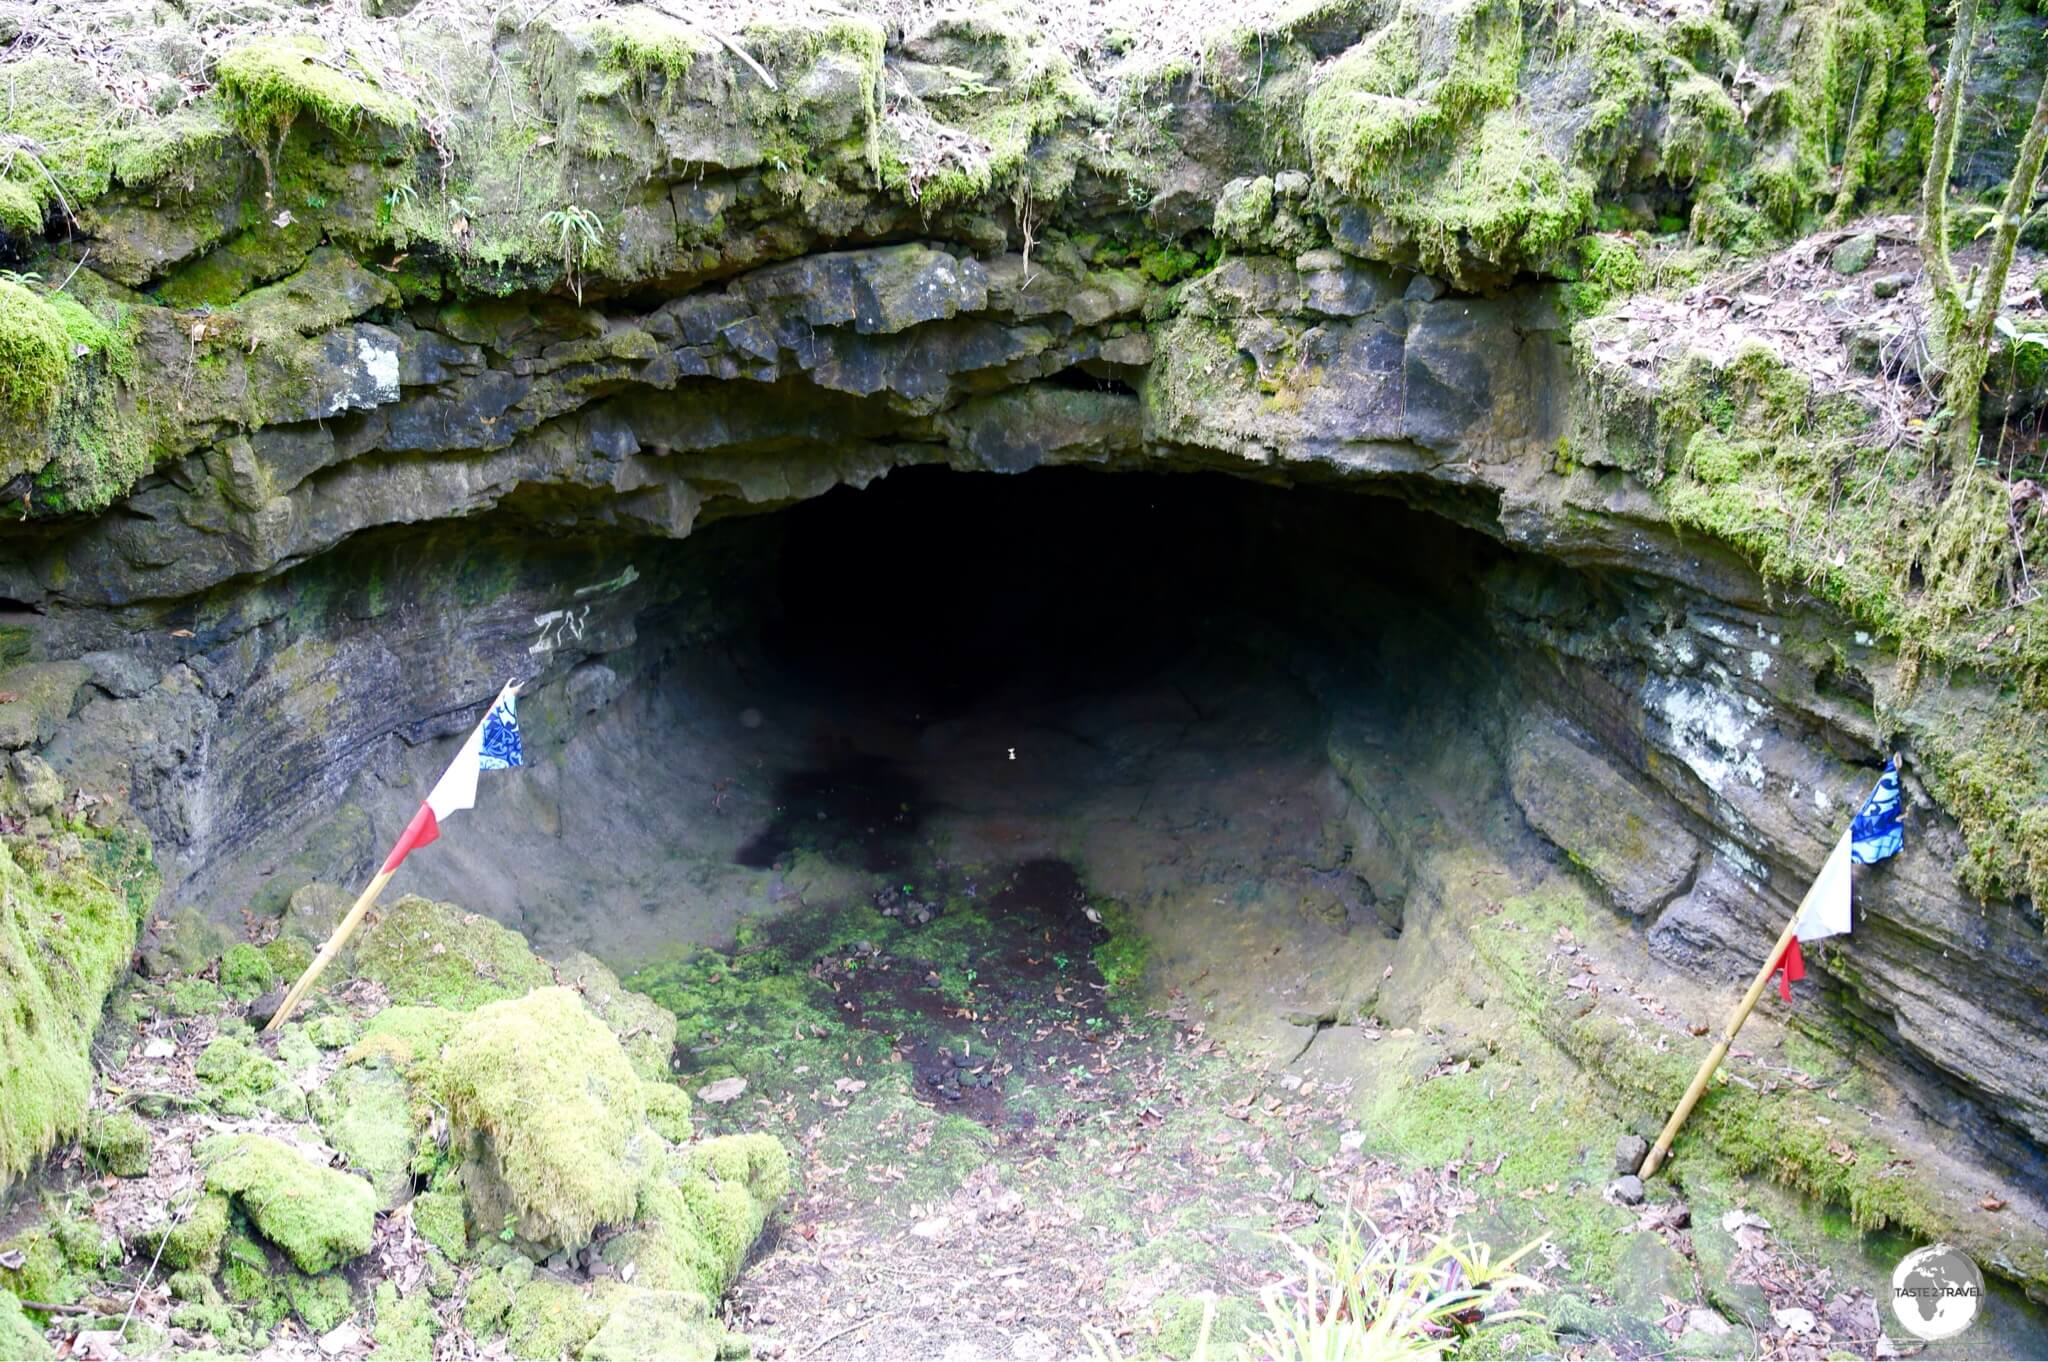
[[1874, 834], [493, 745]]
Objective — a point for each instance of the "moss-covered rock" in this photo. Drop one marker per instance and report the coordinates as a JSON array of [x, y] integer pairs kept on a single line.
[[318, 1216], [118, 1143], [35, 352], [697, 1218], [405, 1326], [193, 1241], [19, 1337], [438, 954], [238, 1079], [440, 1217], [245, 972], [657, 1326], [550, 1319], [549, 1115], [365, 1113], [67, 928], [668, 1110]]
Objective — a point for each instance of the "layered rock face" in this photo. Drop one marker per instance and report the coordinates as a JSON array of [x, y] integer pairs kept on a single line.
[[407, 387]]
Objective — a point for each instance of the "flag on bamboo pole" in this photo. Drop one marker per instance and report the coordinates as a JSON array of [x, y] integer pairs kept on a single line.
[[493, 745], [1873, 835]]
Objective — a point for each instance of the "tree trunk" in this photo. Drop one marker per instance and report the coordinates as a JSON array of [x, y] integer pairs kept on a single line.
[[1970, 352], [1947, 313]]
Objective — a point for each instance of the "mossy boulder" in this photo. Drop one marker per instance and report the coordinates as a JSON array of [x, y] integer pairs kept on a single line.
[[245, 972], [118, 1143], [67, 929], [645, 1028], [318, 1216], [549, 1116], [550, 1319], [438, 954]]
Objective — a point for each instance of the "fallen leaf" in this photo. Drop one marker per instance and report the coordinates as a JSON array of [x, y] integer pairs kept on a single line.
[[724, 1090], [181, 633], [849, 1085], [1992, 1203], [340, 1339], [1792, 1319]]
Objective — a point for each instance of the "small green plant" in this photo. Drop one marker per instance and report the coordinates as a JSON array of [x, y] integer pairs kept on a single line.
[[1360, 1301], [509, 1230], [580, 235]]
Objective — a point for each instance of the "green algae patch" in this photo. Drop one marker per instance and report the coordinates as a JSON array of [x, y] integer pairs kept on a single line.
[[438, 954], [549, 1115], [67, 929], [319, 1217], [268, 83]]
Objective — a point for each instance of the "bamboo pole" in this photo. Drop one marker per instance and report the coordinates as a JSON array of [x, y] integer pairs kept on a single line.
[[1720, 1051], [339, 938], [348, 924]]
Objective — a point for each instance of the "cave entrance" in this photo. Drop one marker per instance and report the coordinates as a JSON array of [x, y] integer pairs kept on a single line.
[[1032, 779]]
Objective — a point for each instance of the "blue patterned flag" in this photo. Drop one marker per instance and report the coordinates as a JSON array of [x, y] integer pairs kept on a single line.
[[1875, 833], [493, 745], [1878, 832], [501, 749]]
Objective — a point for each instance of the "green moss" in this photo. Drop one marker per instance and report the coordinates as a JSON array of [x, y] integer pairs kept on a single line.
[[1122, 957], [648, 44], [35, 353], [695, 1221], [19, 1338], [321, 1302], [193, 1241], [118, 1143], [44, 1273], [541, 1097], [435, 953], [440, 1219], [668, 1110], [336, 1031], [191, 997], [365, 1113], [244, 972], [318, 1216], [1610, 268], [266, 84], [237, 1079], [551, 1319], [406, 1326], [67, 930], [489, 1298]]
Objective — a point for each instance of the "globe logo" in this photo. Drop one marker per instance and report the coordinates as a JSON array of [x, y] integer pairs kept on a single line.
[[1936, 1291]]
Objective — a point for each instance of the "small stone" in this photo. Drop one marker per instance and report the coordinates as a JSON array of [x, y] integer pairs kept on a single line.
[[265, 1007], [1701, 1320], [1890, 285], [1627, 1190], [1793, 1320], [1854, 255], [41, 787], [1423, 289], [1291, 184], [1629, 1153], [159, 1047]]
